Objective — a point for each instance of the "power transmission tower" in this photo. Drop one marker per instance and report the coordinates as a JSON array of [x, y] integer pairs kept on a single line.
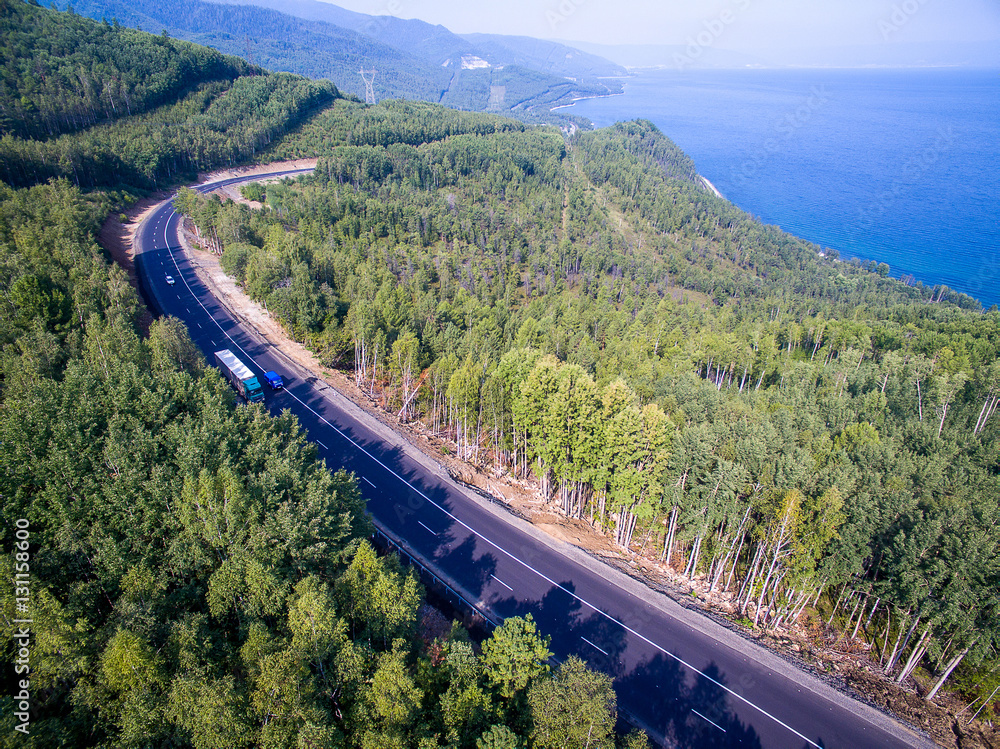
[[248, 56], [368, 76]]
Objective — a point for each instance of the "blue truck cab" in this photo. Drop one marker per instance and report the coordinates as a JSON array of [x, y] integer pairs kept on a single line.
[[274, 380]]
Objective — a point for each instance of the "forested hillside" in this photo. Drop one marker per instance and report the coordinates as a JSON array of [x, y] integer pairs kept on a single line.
[[104, 105], [63, 73], [804, 433], [405, 66], [198, 578], [193, 575]]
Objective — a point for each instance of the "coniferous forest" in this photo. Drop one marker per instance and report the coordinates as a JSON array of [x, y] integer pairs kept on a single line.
[[806, 433], [800, 432], [198, 577]]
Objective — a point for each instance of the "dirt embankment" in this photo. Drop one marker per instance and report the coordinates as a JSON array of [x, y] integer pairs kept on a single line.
[[839, 659]]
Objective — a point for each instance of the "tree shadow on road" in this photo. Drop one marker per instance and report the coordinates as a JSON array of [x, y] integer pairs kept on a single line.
[[685, 708]]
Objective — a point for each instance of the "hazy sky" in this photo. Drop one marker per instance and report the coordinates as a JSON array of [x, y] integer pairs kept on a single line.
[[744, 25]]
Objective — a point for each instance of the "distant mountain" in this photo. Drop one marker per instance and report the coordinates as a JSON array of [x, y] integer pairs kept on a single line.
[[279, 42], [541, 54], [411, 59], [428, 42], [439, 46]]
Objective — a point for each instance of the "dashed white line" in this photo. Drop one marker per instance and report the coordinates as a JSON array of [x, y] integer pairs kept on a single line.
[[433, 533], [504, 551], [601, 650], [502, 582], [323, 446], [363, 478], [709, 721]]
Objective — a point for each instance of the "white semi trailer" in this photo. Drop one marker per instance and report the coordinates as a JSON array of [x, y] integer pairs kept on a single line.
[[239, 375]]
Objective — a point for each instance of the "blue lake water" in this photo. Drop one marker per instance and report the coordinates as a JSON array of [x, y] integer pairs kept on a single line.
[[901, 167]]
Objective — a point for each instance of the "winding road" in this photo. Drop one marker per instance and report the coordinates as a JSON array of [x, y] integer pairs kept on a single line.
[[686, 680]]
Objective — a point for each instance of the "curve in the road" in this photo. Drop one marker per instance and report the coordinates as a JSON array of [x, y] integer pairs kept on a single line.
[[687, 681]]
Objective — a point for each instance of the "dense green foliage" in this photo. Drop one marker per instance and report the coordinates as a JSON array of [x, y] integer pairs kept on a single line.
[[406, 67], [197, 577], [62, 73], [279, 42], [180, 108], [411, 123], [785, 426]]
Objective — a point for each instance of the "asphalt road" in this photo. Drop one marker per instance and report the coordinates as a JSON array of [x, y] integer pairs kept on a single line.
[[688, 681]]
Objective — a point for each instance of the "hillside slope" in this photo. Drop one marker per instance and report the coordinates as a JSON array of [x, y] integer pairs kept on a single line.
[[413, 69], [105, 105], [195, 577], [782, 429]]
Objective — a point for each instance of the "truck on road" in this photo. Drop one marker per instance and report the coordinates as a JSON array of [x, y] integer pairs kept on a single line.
[[239, 375]]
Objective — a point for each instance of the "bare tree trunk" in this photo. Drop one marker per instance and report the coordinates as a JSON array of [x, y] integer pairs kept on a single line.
[[693, 559], [749, 580], [836, 605], [918, 652], [668, 547], [857, 624], [854, 611], [763, 587], [896, 649], [872, 613], [947, 672], [888, 628], [736, 561], [986, 406]]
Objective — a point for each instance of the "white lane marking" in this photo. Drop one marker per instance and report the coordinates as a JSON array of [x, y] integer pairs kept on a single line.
[[198, 324], [502, 582], [362, 478], [710, 721], [322, 445], [502, 550], [602, 650], [178, 296], [428, 529]]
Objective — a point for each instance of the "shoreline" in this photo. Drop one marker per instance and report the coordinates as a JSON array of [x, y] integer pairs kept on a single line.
[[585, 98], [711, 187]]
